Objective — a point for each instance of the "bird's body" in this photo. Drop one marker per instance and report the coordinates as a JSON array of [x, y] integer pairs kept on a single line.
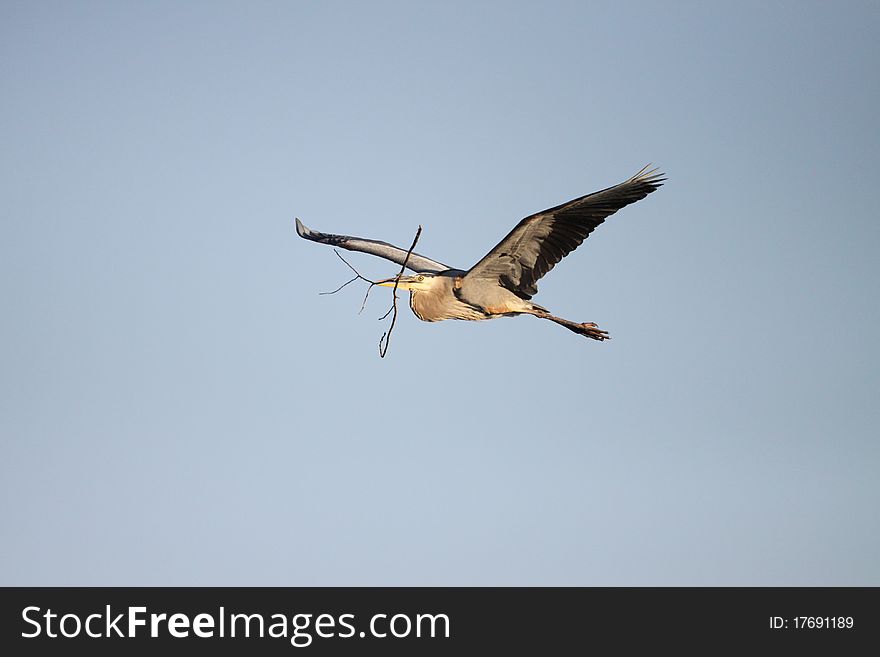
[[432, 297], [503, 282], [435, 297]]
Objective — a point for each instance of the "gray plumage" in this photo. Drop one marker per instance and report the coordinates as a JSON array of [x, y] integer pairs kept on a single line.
[[385, 250], [503, 282]]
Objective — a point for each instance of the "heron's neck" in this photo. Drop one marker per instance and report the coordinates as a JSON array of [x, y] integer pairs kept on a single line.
[[427, 304]]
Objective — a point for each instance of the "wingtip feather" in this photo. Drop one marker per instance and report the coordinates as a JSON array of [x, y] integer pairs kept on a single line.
[[652, 176]]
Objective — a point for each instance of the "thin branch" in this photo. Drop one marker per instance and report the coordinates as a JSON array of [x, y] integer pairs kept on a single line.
[[386, 337], [349, 282], [357, 276]]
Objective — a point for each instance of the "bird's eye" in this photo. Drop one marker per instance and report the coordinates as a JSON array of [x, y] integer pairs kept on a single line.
[[421, 278]]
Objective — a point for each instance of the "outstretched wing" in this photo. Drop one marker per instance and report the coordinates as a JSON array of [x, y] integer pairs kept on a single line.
[[416, 262], [538, 242]]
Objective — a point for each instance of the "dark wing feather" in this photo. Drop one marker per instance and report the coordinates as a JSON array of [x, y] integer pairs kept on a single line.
[[538, 242], [416, 262]]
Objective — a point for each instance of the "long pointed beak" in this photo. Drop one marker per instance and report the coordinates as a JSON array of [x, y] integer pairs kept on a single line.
[[404, 284], [389, 282]]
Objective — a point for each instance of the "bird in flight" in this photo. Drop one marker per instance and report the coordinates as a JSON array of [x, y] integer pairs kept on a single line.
[[503, 282]]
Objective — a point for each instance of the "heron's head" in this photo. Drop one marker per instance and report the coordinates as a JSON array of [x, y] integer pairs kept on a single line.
[[414, 283]]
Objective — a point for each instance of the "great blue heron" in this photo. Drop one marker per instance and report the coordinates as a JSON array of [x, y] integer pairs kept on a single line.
[[503, 282]]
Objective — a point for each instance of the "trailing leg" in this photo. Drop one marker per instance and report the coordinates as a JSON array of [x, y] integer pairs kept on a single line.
[[586, 329]]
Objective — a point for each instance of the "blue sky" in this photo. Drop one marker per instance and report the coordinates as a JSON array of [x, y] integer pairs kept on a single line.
[[179, 406]]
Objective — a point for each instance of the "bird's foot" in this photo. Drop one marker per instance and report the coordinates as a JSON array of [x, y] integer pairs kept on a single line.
[[592, 330]]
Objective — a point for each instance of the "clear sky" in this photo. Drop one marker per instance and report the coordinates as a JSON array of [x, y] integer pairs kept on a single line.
[[178, 406]]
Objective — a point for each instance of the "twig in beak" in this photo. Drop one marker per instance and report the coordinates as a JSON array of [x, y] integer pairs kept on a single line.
[[386, 337], [357, 276]]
